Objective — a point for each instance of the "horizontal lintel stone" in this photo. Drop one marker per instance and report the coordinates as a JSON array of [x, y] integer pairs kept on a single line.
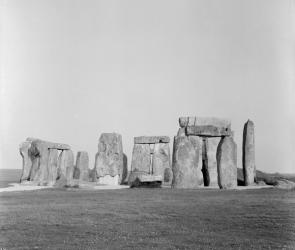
[[209, 130], [204, 121], [51, 145], [151, 139]]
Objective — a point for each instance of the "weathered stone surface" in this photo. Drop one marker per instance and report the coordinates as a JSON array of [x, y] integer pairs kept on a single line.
[[66, 167], [139, 178], [109, 180], [249, 167], [39, 153], [151, 139], [52, 166], [204, 121], [52, 145], [208, 131], [181, 132], [161, 160], [27, 162], [141, 158], [109, 159], [227, 163], [186, 162], [82, 166]]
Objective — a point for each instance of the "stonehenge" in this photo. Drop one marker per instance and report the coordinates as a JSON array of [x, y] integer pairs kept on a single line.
[[249, 168], [195, 150], [204, 155], [151, 160], [109, 164]]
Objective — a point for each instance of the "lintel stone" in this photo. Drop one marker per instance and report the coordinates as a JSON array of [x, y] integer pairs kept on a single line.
[[151, 139], [208, 130]]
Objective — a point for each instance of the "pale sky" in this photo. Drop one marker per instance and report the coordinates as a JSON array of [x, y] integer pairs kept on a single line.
[[71, 70]]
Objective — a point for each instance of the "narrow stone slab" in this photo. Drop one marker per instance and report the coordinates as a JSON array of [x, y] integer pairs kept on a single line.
[[52, 166], [249, 167], [208, 131], [151, 139], [161, 161], [27, 162], [66, 167], [227, 163], [82, 166], [204, 121]]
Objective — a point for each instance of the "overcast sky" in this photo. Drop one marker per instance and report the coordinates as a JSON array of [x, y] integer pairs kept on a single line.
[[71, 70]]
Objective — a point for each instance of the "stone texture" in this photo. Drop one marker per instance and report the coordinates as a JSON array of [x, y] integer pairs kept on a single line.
[[27, 162], [208, 131], [109, 159], [52, 166], [204, 121], [211, 148], [186, 162], [66, 167], [161, 160], [151, 139], [139, 178], [141, 158], [249, 167], [82, 166], [181, 132], [227, 163], [52, 145]]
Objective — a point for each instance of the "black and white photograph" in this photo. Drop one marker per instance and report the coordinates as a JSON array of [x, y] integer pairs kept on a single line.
[[147, 124]]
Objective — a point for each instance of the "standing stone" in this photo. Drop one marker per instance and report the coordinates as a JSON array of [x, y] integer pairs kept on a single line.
[[82, 165], [211, 146], [161, 161], [66, 167], [141, 158], [52, 166], [249, 167], [27, 162], [227, 163], [109, 159], [186, 162]]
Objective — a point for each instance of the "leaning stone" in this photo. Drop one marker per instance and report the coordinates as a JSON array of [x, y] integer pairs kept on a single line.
[[161, 160], [151, 139], [227, 163], [27, 162], [82, 165], [52, 166], [208, 131], [186, 162], [141, 158], [109, 159]]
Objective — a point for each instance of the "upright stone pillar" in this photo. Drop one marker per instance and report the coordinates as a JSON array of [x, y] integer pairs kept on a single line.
[[82, 166], [161, 161], [66, 168], [141, 158], [227, 163], [186, 162], [249, 168], [27, 162], [52, 166]]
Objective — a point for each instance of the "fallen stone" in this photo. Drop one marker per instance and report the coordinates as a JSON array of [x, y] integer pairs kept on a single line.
[[27, 162], [208, 131], [109, 159], [285, 184], [142, 179], [52, 167], [141, 158], [161, 160], [249, 167], [186, 162], [82, 166], [151, 139], [108, 180], [227, 163]]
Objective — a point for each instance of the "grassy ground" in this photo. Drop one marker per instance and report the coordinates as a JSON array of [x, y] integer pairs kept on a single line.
[[148, 219]]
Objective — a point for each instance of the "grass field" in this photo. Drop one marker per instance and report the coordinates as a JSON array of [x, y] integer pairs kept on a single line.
[[148, 219]]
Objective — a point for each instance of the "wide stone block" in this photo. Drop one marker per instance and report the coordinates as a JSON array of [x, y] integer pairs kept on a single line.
[[151, 139], [27, 162], [109, 158], [204, 121], [187, 162], [227, 163], [141, 158], [249, 167], [208, 131]]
